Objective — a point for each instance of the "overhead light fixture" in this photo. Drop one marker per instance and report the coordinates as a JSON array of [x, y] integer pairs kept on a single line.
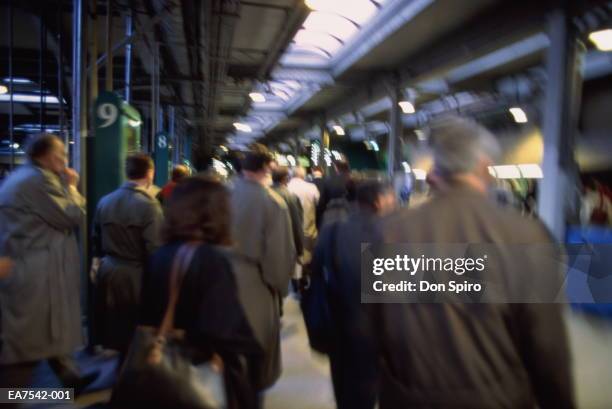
[[17, 80], [602, 39], [242, 127], [134, 122], [3, 89], [520, 117], [257, 97], [339, 130], [407, 107], [374, 146], [406, 167], [48, 99]]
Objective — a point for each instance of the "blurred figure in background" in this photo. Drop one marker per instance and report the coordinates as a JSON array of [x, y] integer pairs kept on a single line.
[[40, 208], [470, 355], [308, 194], [316, 176], [264, 256], [334, 190], [126, 231], [208, 308], [280, 179], [178, 172], [596, 205], [352, 355]]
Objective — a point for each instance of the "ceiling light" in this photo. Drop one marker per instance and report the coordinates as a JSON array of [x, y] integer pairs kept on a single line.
[[602, 39], [18, 80], [520, 117], [134, 122], [49, 99], [339, 130], [242, 127], [3, 89], [374, 146], [406, 167], [407, 107], [257, 97]]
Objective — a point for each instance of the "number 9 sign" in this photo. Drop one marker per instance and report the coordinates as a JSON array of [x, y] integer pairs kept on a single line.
[[108, 114]]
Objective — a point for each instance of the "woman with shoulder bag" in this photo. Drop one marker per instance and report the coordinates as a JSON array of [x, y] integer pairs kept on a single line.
[[189, 288]]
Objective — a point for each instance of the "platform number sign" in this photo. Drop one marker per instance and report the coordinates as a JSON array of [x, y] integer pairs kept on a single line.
[[107, 113], [162, 141], [161, 157]]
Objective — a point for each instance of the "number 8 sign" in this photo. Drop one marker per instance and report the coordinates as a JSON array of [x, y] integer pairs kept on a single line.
[[162, 142]]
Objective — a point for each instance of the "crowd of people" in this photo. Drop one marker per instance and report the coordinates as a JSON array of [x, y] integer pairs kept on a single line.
[[268, 232]]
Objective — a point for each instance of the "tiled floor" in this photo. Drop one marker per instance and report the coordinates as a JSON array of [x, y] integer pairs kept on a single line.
[[305, 382]]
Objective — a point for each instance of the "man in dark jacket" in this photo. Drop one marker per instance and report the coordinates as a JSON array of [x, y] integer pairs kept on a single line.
[[352, 355], [471, 355], [333, 187], [126, 231]]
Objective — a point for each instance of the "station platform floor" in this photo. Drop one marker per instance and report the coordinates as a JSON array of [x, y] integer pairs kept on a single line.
[[305, 382]]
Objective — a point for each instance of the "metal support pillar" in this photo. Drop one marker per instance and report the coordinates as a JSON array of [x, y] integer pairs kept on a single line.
[[41, 61], [395, 131], [561, 109], [79, 103], [109, 44], [10, 70], [176, 158], [60, 76], [93, 53], [154, 94], [128, 57]]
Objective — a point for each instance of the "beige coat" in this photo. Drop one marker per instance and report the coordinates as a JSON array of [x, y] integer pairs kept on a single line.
[[40, 300], [263, 259]]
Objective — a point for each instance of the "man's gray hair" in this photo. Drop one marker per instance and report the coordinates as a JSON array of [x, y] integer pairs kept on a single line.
[[458, 144]]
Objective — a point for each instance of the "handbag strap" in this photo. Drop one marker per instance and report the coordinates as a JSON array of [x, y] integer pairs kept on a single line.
[[180, 264]]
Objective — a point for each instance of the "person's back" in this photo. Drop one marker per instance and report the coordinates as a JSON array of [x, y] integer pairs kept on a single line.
[[308, 194], [123, 217], [473, 355], [263, 257], [178, 172], [126, 231], [333, 188], [208, 308], [352, 355]]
